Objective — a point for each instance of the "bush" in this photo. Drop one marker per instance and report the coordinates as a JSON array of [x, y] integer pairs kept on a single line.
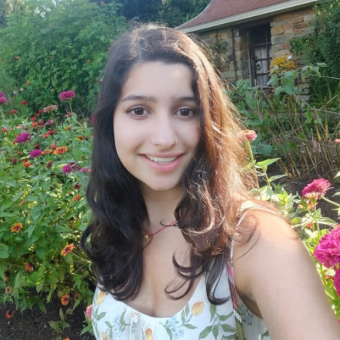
[[52, 47], [43, 211]]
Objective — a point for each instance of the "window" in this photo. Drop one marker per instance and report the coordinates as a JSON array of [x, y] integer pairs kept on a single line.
[[260, 54]]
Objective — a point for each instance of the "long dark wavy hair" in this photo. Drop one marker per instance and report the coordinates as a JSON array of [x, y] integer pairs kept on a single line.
[[207, 213]]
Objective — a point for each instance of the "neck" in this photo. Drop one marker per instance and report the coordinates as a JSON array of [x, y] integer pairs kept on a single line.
[[160, 207]]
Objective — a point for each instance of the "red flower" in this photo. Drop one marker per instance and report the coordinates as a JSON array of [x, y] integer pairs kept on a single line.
[[34, 124], [16, 227], [36, 146], [41, 122], [33, 119], [45, 135], [13, 112], [49, 164], [82, 138], [4, 130], [316, 189], [67, 249], [27, 164], [9, 314], [53, 146], [24, 102], [51, 132], [77, 186]]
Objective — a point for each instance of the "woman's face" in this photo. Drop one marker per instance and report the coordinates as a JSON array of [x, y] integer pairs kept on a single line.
[[156, 124]]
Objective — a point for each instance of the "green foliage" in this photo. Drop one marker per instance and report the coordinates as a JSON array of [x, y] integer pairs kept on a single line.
[[49, 48], [323, 45], [42, 211]]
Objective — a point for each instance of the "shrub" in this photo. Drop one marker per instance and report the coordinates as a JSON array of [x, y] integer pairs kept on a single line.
[[43, 174], [51, 47]]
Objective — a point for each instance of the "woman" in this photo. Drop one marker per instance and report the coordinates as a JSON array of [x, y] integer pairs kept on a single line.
[[171, 213]]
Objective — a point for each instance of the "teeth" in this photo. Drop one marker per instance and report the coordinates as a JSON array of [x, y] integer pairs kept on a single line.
[[161, 160]]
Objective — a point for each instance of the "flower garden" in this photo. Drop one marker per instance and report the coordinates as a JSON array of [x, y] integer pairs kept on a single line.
[[45, 146]]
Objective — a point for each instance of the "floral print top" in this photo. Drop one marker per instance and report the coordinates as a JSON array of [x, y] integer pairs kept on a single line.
[[199, 319]]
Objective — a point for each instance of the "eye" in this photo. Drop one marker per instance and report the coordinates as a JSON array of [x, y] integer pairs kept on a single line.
[[138, 111], [186, 112]]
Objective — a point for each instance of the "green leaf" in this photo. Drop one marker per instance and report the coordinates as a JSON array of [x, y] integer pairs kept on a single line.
[[215, 331], [4, 253], [101, 315], [267, 162], [212, 311], [205, 332], [227, 328], [187, 325]]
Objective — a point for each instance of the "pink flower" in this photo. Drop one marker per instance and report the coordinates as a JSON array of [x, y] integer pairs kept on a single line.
[[337, 281], [89, 312], [85, 170], [70, 167], [69, 114], [35, 153], [23, 137], [316, 189], [51, 121], [327, 251], [3, 100], [337, 141], [49, 108], [245, 135], [1, 94], [67, 95]]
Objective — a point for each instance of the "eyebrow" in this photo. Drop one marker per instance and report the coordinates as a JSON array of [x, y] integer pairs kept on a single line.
[[153, 99]]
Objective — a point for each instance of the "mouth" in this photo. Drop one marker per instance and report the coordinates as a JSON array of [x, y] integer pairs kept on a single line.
[[161, 160]]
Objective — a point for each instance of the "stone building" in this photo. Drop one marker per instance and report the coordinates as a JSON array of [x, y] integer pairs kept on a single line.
[[248, 34]]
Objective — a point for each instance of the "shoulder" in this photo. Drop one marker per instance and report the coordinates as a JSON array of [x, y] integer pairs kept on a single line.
[[275, 269]]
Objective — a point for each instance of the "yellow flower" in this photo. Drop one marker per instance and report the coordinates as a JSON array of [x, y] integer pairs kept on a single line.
[[100, 298], [197, 308], [104, 336], [148, 334]]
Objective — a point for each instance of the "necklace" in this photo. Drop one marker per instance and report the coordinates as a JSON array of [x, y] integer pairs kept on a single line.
[[148, 236]]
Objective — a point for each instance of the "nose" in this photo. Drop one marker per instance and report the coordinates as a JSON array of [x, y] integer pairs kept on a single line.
[[164, 134]]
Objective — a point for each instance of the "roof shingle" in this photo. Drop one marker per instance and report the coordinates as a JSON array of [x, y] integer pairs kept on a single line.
[[218, 9]]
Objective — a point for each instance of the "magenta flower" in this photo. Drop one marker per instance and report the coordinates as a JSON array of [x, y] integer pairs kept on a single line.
[[327, 251], [35, 153], [1, 94], [245, 135], [337, 281], [89, 312], [85, 170], [316, 189], [50, 108], [67, 95], [70, 167], [3, 100], [23, 137]]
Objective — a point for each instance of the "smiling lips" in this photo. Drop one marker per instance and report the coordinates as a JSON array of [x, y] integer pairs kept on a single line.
[[163, 164]]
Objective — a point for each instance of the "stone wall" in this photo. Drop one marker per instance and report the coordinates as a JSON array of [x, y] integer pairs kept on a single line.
[[231, 45]]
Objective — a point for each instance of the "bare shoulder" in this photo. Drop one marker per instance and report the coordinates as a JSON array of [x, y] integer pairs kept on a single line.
[[276, 271]]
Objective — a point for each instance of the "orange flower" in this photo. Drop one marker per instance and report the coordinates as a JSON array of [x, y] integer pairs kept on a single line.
[[34, 124], [46, 152], [66, 339], [67, 128], [8, 290], [53, 146], [76, 198], [6, 277], [16, 57], [88, 60], [27, 164], [67, 249], [65, 300], [61, 150], [28, 266], [28, 82], [197, 308], [82, 137], [148, 334], [9, 314], [16, 227]]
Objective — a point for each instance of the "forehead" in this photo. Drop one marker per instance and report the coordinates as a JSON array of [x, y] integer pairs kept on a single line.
[[158, 79]]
